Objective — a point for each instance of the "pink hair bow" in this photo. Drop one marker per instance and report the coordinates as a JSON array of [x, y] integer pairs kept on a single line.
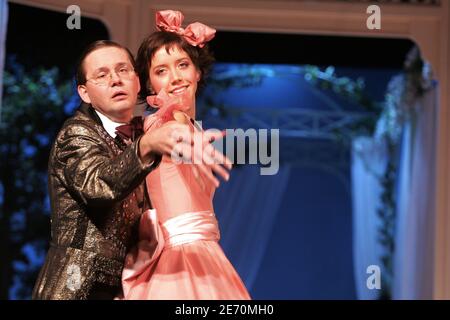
[[197, 34]]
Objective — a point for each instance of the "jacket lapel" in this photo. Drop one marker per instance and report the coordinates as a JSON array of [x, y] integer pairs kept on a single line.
[[89, 111]]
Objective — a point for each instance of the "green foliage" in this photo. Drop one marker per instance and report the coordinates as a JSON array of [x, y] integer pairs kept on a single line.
[[367, 126], [353, 91], [387, 123], [33, 108], [387, 215]]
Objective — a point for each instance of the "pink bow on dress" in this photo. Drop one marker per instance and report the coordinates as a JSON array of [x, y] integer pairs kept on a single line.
[[166, 106], [197, 34]]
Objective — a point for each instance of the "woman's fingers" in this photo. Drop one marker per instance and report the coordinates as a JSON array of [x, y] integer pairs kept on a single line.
[[196, 147], [211, 135], [215, 165], [214, 156], [221, 171], [208, 174], [198, 178]]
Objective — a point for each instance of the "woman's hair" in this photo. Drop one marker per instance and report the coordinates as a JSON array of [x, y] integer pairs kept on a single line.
[[201, 57], [80, 76]]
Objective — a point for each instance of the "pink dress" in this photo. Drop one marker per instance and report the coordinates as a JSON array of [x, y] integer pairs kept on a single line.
[[178, 256]]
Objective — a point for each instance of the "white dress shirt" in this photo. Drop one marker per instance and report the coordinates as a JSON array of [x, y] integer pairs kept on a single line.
[[109, 125]]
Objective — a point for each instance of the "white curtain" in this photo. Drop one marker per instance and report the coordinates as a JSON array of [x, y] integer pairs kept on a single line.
[[246, 207], [369, 159], [413, 261], [3, 27]]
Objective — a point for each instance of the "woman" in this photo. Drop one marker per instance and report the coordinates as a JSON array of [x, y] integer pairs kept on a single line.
[[178, 256]]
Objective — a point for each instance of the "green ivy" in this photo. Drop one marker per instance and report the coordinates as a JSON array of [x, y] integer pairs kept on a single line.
[[35, 103]]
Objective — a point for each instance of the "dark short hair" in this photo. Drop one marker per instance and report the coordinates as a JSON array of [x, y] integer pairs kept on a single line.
[[81, 74], [201, 57]]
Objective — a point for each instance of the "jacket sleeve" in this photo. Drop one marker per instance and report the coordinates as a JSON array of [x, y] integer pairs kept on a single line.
[[92, 173]]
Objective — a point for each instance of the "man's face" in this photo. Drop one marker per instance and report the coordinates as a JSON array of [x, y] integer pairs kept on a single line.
[[111, 85]]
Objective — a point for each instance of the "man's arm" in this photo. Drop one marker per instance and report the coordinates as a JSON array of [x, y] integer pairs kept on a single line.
[[92, 173]]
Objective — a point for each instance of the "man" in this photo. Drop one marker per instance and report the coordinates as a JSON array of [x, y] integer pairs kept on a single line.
[[96, 180]]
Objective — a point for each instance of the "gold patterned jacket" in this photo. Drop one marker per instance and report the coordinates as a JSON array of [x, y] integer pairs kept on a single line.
[[97, 194]]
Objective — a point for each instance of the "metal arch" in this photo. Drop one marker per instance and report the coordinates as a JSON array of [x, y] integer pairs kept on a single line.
[[299, 123]]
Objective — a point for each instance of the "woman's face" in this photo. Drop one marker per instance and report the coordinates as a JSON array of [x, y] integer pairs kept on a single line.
[[175, 73]]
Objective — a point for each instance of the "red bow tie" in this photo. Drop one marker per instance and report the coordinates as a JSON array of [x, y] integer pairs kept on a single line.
[[132, 130]]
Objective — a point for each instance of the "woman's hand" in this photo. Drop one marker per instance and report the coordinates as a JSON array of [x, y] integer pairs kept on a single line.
[[182, 145]]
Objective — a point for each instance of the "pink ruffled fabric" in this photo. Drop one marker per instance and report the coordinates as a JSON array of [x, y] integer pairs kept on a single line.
[[166, 106]]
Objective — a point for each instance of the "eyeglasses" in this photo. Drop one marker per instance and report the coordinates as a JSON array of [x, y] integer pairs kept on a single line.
[[103, 78]]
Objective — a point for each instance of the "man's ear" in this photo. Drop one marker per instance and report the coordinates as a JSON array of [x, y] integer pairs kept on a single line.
[[84, 95], [138, 84]]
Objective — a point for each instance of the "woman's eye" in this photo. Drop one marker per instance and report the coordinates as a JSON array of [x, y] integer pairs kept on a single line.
[[160, 71], [184, 64]]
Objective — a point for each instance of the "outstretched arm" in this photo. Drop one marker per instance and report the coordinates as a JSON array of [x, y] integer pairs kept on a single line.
[[91, 173]]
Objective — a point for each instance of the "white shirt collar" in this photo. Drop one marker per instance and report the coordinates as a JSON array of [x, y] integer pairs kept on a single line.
[[109, 125]]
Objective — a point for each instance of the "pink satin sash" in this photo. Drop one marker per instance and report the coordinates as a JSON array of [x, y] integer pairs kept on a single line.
[[190, 227], [155, 237]]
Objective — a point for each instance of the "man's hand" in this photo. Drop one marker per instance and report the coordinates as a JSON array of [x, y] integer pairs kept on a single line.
[[177, 141], [162, 140]]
